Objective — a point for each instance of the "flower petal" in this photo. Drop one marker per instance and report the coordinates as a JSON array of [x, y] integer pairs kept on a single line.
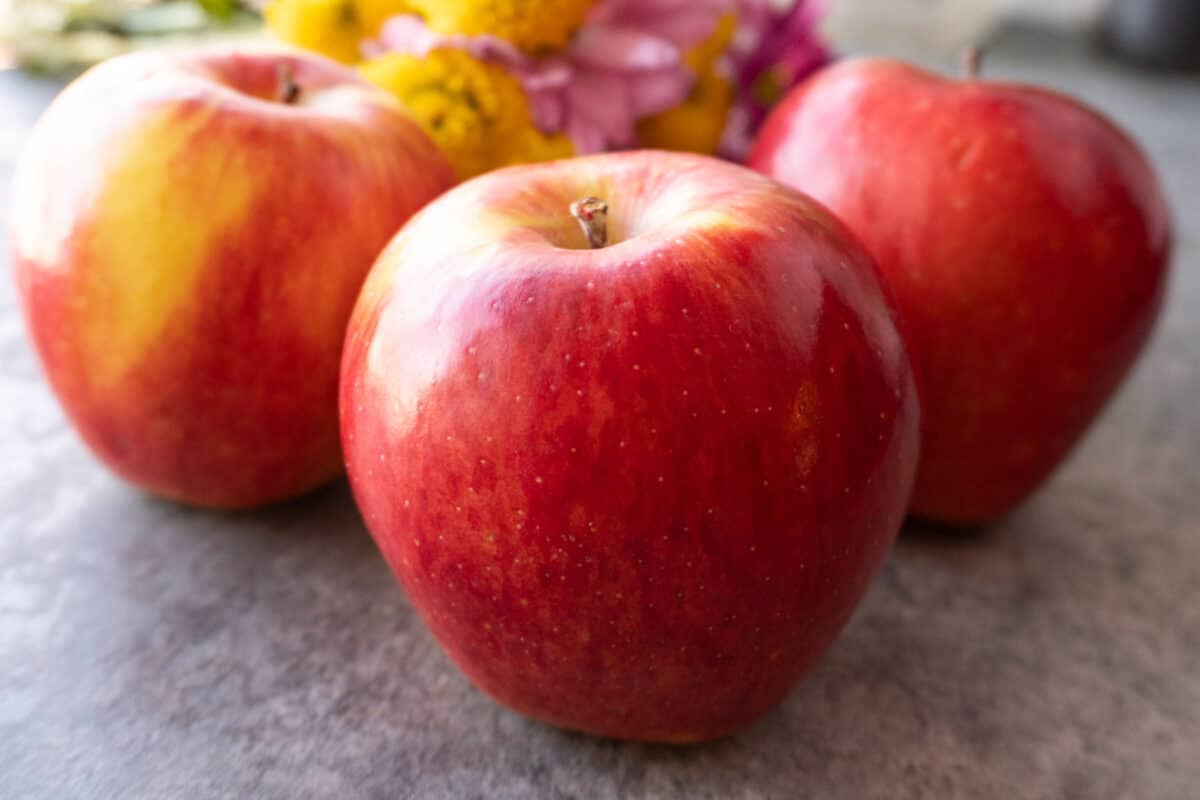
[[604, 98], [603, 47], [657, 91], [548, 110]]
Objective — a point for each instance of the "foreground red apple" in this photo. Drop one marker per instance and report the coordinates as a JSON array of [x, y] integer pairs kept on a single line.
[[1025, 242], [189, 234], [634, 490]]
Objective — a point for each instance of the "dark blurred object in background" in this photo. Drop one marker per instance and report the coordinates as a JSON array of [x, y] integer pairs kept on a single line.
[[1164, 33]]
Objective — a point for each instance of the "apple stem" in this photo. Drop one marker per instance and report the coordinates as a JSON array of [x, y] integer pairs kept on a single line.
[[289, 90], [972, 60], [592, 213]]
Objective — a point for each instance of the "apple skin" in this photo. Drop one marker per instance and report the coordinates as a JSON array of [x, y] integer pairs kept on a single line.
[[633, 491], [1023, 239], [188, 250]]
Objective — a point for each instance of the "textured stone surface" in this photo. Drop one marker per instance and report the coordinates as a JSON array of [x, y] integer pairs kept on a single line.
[[152, 652]]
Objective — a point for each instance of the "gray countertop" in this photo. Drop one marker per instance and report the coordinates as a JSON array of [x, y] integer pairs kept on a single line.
[[148, 651]]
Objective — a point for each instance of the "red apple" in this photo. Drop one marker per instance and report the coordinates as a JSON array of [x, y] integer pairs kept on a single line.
[[1024, 240], [634, 490], [189, 233]]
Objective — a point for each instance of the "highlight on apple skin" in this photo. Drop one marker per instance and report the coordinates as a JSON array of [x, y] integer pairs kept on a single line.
[[634, 488], [1024, 240], [189, 232]]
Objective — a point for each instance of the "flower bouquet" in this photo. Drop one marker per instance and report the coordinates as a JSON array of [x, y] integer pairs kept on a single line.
[[499, 82]]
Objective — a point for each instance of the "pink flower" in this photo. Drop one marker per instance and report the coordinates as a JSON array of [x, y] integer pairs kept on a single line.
[[774, 49]]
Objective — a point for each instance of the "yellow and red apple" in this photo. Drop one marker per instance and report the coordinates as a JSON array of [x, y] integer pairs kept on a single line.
[[1024, 238], [189, 232], [634, 481]]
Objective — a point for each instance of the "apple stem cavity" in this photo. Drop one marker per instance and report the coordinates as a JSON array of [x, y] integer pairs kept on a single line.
[[972, 61], [592, 213], [289, 90]]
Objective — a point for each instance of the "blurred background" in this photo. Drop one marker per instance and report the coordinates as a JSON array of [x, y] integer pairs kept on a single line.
[[60, 35], [1161, 32], [496, 84]]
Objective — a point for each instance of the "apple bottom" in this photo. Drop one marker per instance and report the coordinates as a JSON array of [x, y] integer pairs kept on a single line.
[[686, 695], [638, 614], [692, 651], [204, 446]]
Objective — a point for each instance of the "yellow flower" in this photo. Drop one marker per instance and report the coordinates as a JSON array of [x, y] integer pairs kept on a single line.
[[696, 125], [373, 13], [335, 28], [532, 25], [476, 112]]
